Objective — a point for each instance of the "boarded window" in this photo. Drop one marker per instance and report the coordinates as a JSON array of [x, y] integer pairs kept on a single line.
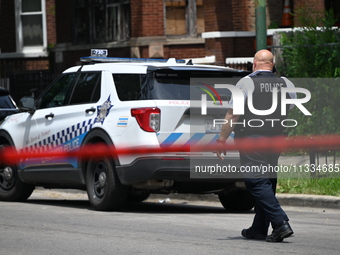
[[175, 17], [184, 17]]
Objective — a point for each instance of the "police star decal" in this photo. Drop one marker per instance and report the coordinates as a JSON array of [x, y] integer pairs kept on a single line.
[[103, 111]]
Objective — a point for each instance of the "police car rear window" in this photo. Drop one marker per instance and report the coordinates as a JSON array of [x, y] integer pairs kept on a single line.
[[162, 84]]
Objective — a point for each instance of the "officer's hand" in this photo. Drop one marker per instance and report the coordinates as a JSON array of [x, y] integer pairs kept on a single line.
[[220, 149]]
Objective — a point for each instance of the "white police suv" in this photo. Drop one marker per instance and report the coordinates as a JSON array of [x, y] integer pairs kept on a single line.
[[124, 103]]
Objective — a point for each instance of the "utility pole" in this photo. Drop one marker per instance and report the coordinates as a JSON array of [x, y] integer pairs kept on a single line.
[[261, 27]]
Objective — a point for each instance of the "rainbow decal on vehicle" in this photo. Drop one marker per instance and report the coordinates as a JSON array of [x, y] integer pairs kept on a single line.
[[211, 94]]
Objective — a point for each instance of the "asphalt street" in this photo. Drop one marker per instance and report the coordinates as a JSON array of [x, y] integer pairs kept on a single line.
[[53, 222]]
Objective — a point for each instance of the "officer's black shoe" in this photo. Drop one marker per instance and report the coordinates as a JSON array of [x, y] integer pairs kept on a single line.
[[280, 232], [251, 234]]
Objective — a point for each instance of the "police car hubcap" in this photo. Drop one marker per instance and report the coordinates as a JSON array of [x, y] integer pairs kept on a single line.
[[8, 173], [7, 178], [102, 179], [99, 180]]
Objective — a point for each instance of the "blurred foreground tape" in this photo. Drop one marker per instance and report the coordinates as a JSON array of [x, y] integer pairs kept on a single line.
[[279, 143]]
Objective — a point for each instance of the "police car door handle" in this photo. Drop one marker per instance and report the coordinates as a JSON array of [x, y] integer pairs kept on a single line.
[[49, 116], [91, 110]]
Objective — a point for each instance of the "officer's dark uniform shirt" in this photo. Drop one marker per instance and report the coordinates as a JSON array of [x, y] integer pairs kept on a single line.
[[261, 87]]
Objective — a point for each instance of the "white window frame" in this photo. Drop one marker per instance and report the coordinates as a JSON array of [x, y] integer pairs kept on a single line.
[[30, 51]]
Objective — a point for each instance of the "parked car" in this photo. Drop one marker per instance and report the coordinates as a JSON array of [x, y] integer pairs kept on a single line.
[[125, 103], [7, 105]]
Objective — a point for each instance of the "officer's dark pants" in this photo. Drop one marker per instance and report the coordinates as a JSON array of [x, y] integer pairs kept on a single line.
[[263, 187]]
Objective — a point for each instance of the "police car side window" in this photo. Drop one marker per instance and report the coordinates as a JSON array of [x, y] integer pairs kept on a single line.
[[128, 86], [87, 89], [57, 94]]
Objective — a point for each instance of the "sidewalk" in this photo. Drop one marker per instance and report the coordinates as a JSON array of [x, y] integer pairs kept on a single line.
[[304, 159], [298, 200]]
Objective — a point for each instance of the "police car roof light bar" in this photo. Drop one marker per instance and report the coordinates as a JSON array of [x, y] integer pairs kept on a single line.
[[97, 59]]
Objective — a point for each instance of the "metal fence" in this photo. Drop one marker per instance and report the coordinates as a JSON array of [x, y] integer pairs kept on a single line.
[[22, 83], [29, 83]]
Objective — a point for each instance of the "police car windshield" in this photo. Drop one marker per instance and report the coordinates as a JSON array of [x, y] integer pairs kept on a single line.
[[6, 103]]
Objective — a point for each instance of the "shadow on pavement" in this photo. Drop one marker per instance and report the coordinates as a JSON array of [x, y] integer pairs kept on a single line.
[[143, 207]]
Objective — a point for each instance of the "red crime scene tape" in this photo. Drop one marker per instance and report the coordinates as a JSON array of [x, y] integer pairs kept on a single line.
[[278, 144]]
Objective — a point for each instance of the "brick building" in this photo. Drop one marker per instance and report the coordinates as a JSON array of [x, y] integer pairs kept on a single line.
[[53, 35]]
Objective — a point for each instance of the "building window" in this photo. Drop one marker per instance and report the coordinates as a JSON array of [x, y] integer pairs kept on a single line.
[[31, 25], [99, 21], [184, 17]]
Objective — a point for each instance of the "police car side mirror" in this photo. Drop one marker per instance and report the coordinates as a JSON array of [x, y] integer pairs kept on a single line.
[[27, 104]]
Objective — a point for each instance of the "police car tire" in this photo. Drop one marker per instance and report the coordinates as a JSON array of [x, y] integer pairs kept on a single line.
[[13, 189], [237, 200], [105, 192]]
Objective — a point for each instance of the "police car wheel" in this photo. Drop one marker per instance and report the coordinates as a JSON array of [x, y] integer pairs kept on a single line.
[[237, 200], [11, 187], [104, 190]]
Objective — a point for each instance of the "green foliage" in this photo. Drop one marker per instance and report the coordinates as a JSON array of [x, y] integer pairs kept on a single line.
[[317, 186], [314, 52], [323, 105]]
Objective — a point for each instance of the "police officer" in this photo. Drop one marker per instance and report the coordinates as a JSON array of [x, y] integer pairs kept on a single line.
[[260, 88]]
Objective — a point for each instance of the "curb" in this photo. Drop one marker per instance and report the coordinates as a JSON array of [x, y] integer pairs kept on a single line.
[[316, 201]]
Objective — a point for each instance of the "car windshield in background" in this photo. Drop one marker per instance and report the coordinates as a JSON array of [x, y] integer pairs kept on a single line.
[[6, 102], [7, 106], [166, 83]]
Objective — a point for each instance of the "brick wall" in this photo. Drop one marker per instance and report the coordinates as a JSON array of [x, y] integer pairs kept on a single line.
[[243, 12], [244, 47], [184, 51], [223, 48], [147, 18], [318, 4], [217, 15], [64, 19], [7, 26], [136, 18], [309, 6], [36, 64], [51, 22], [20, 64], [8, 38], [220, 47], [275, 11]]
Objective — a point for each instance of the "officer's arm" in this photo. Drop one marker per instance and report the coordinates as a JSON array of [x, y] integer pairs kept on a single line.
[[227, 128]]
